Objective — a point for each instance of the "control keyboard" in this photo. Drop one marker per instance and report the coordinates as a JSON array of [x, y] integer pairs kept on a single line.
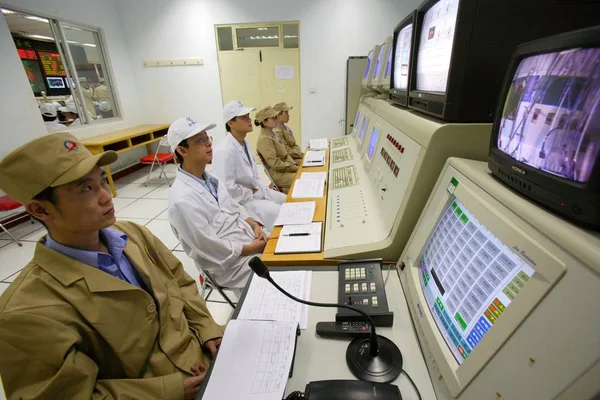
[[344, 177], [342, 155], [343, 141], [361, 286]]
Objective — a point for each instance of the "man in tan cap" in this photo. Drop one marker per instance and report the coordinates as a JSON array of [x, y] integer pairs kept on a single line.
[[286, 133], [280, 165], [103, 310]]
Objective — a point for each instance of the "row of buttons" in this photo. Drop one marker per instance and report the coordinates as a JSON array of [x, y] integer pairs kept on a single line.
[[374, 302], [359, 288], [351, 274], [395, 143], [390, 162]]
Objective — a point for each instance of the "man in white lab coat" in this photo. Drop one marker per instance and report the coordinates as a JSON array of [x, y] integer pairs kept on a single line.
[[214, 230], [50, 117], [234, 165]]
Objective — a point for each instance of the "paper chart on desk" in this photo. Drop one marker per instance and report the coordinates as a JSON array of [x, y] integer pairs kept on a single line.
[[296, 213], [258, 356], [314, 175], [264, 302], [318, 143], [313, 228], [308, 189], [314, 158]]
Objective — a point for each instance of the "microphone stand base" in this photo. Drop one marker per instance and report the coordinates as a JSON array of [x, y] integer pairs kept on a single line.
[[383, 368]]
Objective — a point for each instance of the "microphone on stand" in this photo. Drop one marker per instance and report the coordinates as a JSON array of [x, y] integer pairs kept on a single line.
[[373, 359]]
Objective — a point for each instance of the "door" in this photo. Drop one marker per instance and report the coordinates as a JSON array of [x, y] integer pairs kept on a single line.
[[250, 56]]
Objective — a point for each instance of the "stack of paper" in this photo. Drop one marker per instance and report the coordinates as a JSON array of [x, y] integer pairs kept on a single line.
[[300, 239], [296, 213], [264, 302], [314, 158], [259, 355], [308, 188], [318, 144], [314, 175]]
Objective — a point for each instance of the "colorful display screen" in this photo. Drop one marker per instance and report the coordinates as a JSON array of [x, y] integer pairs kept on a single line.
[[25, 54], [551, 116], [52, 64], [469, 278]]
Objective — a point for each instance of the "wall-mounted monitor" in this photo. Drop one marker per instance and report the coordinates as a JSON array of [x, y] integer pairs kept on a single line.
[[545, 141], [463, 47], [402, 46], [370, 67], [55, 83]]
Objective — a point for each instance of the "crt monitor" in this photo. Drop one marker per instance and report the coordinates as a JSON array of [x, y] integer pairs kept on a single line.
[[370, 67], [380, 65], [545, 141], [386, 79], [463, 47], [404, 35], [474, 272]]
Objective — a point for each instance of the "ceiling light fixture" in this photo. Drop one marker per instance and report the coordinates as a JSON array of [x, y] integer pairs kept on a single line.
[[41, 37], [262, 29], [89, 45], [7, 12], [34, 18]]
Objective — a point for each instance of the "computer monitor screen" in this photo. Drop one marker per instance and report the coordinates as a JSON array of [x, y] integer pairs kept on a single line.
[[363, 129], [388, 64], [469, 278], [379, 62], [373, 143], [356, 121], [551, 117], [435, 46], [55, 83], [403, 47], [368, 66]]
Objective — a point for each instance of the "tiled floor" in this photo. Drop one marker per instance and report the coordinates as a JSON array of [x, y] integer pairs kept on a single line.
[[145, 205]]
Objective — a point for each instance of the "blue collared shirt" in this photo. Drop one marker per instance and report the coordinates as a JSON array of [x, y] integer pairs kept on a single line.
[[209, 183], [116, 263]]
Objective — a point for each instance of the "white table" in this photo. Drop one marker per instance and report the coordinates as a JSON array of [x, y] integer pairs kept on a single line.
[[322, 359]]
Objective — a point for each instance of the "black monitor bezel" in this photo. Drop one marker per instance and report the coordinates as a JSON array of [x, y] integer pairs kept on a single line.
[[397, 94], [460, 50], [589, 37]]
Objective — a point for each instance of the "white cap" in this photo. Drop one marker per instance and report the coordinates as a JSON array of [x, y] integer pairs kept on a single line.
[[48, 110], [185, 128], [104, 106], [235, 109], [70, 107]]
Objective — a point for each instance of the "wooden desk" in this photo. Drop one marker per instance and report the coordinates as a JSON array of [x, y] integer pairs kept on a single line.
[[124, 140], [306, 259]]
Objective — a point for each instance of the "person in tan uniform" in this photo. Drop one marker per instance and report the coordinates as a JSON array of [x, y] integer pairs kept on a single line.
[[286, 133], [280, 165], [103, 310]]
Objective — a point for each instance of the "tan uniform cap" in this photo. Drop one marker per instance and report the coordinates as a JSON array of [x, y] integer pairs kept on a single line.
[[47, 161], [280, 107], [267, 112]]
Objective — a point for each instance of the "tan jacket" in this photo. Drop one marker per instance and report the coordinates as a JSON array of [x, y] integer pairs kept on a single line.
[[290, 141], [71, 331], [280, 165]]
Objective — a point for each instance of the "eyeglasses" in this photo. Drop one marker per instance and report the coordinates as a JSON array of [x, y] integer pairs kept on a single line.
[[204, 141]]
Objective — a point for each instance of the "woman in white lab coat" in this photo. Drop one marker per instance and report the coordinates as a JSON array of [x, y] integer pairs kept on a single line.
[[214, 230], [234, 165]]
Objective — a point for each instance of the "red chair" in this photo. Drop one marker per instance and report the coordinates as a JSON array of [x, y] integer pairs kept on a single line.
[[8, 204], [273, 185], [158, 158]]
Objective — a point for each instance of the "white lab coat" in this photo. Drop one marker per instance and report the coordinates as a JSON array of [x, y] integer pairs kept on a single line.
[[240, 176], [211, 233], [55, 126]]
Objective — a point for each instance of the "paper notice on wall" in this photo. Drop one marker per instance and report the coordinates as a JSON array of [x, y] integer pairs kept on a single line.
[[284, 72]]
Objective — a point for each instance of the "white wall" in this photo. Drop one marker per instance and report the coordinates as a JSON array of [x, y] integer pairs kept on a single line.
[[19, 116], [330, 32]]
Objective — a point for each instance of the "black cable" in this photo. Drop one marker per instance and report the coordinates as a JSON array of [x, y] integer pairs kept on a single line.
[[412, 383]]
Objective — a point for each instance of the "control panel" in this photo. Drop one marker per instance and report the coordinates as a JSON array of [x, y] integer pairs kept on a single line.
[[361, 286]]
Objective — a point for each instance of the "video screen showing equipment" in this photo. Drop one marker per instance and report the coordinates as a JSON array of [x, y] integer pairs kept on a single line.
[[435, 46], [401, 64], [551, 116], [373, 143], [368, 66], [469, 278], [55, 83]]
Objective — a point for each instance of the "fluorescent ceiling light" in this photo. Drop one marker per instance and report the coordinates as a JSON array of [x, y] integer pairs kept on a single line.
[[40, 37], [262, 29], [7, 12], [34, 18], [290, 36], [89, 45]]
